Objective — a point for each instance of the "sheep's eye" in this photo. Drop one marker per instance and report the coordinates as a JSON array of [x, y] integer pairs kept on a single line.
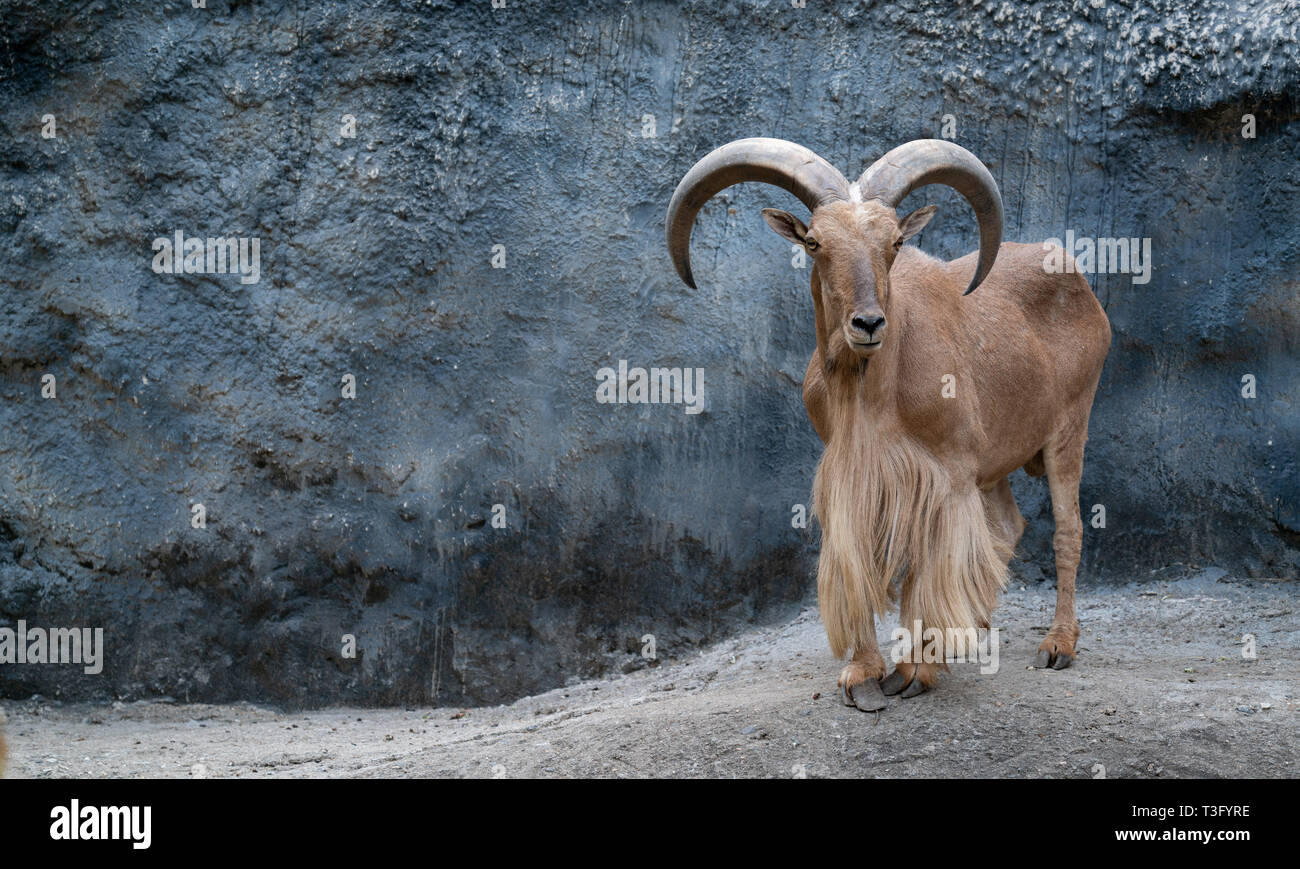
[[898, 244], [810, 243]]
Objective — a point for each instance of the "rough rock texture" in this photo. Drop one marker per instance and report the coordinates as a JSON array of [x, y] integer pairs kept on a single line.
[[528, 127]]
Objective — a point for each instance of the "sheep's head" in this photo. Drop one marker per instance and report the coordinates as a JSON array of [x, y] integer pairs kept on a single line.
[[854, 245], [854, 233]]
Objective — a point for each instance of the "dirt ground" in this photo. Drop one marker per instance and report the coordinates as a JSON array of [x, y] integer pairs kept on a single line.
[[1161, 688]]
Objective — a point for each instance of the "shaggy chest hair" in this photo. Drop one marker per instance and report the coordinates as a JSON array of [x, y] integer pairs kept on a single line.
[[888, 511]]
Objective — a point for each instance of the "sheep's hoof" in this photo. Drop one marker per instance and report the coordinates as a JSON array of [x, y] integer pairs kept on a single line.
[[916, 686], [866, 696], [1054, 660], [897, 683], [1054, 655]]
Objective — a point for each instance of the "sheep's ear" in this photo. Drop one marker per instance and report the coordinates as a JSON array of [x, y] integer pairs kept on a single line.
[[915, 222], [785, 224]]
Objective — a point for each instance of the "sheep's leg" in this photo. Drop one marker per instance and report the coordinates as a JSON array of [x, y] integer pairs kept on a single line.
[[1004, 517], [860, 679], [1064, 469], [911, 677]]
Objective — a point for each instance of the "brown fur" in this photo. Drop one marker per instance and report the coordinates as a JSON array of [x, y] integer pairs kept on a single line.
[[913, 483], [885, 502]]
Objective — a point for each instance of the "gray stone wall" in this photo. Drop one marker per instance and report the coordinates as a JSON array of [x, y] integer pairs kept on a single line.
[[530, 127]]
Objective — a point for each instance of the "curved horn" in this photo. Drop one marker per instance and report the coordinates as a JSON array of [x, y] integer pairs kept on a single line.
[[774, 161], [935, 161]]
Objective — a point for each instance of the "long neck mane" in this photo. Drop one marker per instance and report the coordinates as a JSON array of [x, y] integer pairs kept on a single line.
[[887, 505]]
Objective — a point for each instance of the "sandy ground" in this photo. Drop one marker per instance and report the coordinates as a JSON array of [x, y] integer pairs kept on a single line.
[[1160, 689]]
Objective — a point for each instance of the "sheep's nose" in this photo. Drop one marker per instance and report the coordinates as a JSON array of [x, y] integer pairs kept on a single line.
[[868, 324]]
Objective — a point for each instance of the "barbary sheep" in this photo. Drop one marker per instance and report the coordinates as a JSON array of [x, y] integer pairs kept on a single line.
[[926, 397]]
